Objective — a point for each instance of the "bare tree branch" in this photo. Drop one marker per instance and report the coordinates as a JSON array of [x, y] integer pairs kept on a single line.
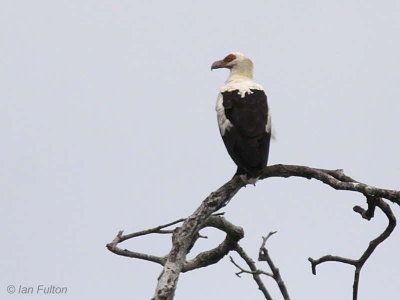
[[263, 255], [124, 252], [233, 235], [206, 258], [359, 263], [184, 237], [150, 231], [254, 271], [334, 178], [242, 270]]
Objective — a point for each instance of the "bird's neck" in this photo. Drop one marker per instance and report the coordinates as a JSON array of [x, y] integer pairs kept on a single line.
[[240, 73]]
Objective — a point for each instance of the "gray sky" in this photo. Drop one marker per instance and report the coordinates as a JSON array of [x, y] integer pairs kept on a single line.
[[107, 122]]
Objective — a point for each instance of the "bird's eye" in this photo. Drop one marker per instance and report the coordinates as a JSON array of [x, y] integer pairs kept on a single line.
[[229, 58]]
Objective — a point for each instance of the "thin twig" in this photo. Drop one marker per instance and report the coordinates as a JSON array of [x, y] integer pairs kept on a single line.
[[264, 256], [150, 231], [113, 246], [359, 263], [124, 252], [257, 272], [254, 273]]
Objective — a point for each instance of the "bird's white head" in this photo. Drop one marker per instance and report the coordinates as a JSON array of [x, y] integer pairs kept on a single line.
[[239, 65]]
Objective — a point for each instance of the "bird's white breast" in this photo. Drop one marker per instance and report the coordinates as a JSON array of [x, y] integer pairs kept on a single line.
[[268, 127], [243, 86], [223, 123]]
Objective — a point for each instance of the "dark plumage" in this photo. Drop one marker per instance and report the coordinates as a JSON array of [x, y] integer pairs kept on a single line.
[[247, 141], [243, 117]]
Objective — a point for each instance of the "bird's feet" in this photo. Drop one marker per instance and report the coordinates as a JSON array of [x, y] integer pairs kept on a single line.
[[248, 180]]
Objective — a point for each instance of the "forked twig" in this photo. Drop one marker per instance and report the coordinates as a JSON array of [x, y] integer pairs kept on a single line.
[[184, 237], [359, 263], [262, 256]]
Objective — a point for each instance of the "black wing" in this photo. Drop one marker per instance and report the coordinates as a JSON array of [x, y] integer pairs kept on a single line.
[[247, 141]]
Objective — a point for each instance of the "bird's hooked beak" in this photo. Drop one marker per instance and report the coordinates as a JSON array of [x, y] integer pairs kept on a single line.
[[218, 64]]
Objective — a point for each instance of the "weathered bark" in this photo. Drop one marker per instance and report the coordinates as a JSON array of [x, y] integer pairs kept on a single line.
[[185, 236]]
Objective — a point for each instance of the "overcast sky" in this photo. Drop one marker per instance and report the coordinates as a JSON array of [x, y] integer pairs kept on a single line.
[[107, 122]]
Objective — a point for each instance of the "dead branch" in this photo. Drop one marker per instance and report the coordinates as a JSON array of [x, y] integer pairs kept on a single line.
[[359, 263], [206, 258], [254, 271], [334, 178], [203, 259], [184, 237], [263, 255], [124, 252]]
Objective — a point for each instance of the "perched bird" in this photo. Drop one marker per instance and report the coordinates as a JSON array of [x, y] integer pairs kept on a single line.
[[243, 117]]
